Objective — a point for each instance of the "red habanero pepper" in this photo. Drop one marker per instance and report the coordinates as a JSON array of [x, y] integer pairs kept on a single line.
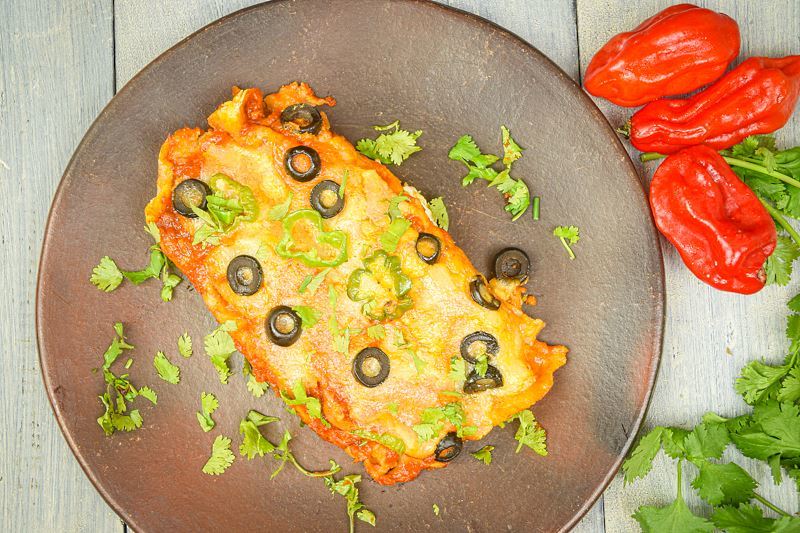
[[758, 96], [674, 52], [718, 225]]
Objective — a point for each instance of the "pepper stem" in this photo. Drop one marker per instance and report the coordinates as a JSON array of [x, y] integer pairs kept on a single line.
[[780, 219]]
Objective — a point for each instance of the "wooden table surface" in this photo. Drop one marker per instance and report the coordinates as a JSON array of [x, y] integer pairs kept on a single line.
[[63, 61]]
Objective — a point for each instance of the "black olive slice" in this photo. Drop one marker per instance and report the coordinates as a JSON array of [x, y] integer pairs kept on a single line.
[[302, 163], [479, 343], [371, 367], [325, 198], [448, 448], [283, 326], [480, 293], [512, 264], [304, 117], [190, 193], [428, 247], [245, 275], [476, 383]]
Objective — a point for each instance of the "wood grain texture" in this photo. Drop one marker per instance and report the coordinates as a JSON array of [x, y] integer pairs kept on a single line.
[[709, 335], [56, 77]]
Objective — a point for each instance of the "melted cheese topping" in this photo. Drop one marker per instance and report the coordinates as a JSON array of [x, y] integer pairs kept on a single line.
[[247, 142]]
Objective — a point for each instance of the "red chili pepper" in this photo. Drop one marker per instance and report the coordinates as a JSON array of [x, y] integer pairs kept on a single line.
[[674, 52], [758, 96], [718, 225]]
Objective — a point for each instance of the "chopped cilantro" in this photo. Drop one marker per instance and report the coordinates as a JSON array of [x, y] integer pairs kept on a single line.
[[568, 235], [529, 433], [479, 166], [387, 439], [208, 404], [106, 276], [185, 345], [219, 347], [435, 509], [394, 147], [484, 454], [278, 212], [308, 315], [312, 283], [312, 405], [166, 370], [458, 369], [150, 394], [376, 332], [439, 212], [256, 388], [221, 456]]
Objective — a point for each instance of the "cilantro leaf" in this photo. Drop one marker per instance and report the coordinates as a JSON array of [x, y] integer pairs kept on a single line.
[[166, 370], [118, 344], [759, 381], [529, 433], [185, 345], [790, 388], [568, 235], [435, 509], [312, 283], [511, 150], [219, 347], [253, 442], [706, 441], [221, 456], [671, 519], [312, 405], [484, 454], [394, 147], [439, 212], [106, 276], [150, 394], [482, 364], [778, 266], [390, 239], [308, 315], [640, 460], [256, 388], [152, 270], [745, 518], [458, 369], [278, 212], [208, 404], [724, 483]]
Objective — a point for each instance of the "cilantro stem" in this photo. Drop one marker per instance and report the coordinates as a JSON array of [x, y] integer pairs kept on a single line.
[[535, 208], [780, 219], [769, 504], [650, 156], [569, 250], [306, 472], [680, 483], [735, 162]]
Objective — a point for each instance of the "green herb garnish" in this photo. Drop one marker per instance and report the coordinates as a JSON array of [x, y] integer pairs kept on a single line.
[[394, 147], [166, 370], [484, 454], [568, 235], [219, 347], [208, 404], [221, 456], [185, 345]]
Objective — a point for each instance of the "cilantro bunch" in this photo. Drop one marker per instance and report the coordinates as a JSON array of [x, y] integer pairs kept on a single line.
[[394, 146], [770, 433]]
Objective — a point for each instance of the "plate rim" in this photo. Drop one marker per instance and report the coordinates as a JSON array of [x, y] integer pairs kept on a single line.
[[659, 305]]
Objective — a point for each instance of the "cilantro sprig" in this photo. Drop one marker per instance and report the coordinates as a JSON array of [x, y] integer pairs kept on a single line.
[[568, 235], [255, 444], [395, 146], [120, 391], [770, 433], [219, 347], [221, 456], [480, 166], [208, 404], [107, 276]]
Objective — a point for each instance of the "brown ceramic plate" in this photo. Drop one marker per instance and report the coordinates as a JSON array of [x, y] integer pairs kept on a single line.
[[454, 74]]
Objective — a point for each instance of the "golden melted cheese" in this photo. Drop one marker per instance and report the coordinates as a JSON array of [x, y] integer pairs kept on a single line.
[[247, 142]]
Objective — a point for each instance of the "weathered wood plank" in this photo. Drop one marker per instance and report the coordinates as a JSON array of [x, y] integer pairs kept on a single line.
[[57, 74], [709, 335]]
